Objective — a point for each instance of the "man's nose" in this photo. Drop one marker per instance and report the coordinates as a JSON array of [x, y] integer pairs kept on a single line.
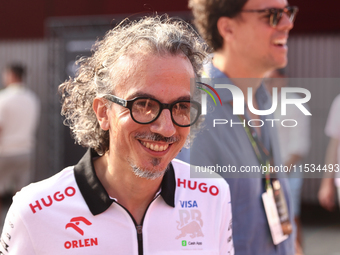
[[164, 125]]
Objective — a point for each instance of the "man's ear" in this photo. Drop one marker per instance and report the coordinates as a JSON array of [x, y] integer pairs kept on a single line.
[[225, 26], [101, 111]]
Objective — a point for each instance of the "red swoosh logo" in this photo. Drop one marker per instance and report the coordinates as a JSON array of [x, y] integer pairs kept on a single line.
[[75, 219], [71, 225]]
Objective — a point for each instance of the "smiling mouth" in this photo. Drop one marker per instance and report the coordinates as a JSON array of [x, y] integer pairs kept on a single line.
[[280, 42], [154, 147]]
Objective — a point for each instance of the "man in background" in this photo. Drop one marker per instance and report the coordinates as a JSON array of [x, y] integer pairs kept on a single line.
[[330, 184], [19, 115], [249, 39]]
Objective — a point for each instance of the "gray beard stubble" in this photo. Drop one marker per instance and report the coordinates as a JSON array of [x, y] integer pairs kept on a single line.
[[149, 174]]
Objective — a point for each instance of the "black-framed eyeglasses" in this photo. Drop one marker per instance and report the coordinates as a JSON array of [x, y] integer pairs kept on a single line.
[[275, 14], [145, 110]]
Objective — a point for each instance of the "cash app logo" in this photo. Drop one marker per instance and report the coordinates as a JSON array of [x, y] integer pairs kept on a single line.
[[184, 243]]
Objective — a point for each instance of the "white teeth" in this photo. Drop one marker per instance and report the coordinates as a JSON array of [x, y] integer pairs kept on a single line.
[[155, 147], [280, 41]]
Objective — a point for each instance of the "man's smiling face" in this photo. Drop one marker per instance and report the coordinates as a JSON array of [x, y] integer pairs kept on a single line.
[[263, 46], [149, 148]]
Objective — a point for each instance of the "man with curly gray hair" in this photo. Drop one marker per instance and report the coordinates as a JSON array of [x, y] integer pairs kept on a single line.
[[131, 105]]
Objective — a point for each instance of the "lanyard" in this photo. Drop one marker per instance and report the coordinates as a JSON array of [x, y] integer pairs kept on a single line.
[[263, 155]]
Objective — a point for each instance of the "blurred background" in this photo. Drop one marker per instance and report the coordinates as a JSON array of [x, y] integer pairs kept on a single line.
[[49, 35]]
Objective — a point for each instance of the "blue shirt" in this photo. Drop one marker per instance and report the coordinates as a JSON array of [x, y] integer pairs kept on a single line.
[[225, 145]]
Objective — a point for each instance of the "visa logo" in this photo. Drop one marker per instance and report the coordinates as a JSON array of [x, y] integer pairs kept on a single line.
[[188, 204]]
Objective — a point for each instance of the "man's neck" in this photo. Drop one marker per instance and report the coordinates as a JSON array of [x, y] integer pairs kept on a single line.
[[235, 67], [240, 75], [132, 192]]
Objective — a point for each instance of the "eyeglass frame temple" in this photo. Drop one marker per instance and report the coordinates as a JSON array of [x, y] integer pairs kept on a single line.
[[116, 99]]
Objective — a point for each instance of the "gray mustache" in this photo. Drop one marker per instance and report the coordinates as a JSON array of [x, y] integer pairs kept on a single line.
[[157, 137]]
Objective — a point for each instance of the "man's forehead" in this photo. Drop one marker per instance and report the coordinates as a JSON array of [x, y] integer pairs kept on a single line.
[[262, 4], [154, 75], [128, 64], [181, 92]]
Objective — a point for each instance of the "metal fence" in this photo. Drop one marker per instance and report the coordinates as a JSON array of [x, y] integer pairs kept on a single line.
[[316, 56]]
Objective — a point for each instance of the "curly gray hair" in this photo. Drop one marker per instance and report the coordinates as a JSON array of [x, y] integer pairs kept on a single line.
[[158, 35]]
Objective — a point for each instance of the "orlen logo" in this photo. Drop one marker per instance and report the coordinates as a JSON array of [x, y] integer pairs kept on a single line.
[[58, 196], [213, 190], [74, 222]]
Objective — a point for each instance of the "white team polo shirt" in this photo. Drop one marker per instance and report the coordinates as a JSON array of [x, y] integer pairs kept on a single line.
[[71, 213]]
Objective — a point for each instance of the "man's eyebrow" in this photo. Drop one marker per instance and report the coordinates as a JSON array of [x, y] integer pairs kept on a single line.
[[142, 94], [184, 98]]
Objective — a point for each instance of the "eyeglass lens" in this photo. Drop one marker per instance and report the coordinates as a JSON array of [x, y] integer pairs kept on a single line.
[[184, 113], [146, 110], [276, 15]]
